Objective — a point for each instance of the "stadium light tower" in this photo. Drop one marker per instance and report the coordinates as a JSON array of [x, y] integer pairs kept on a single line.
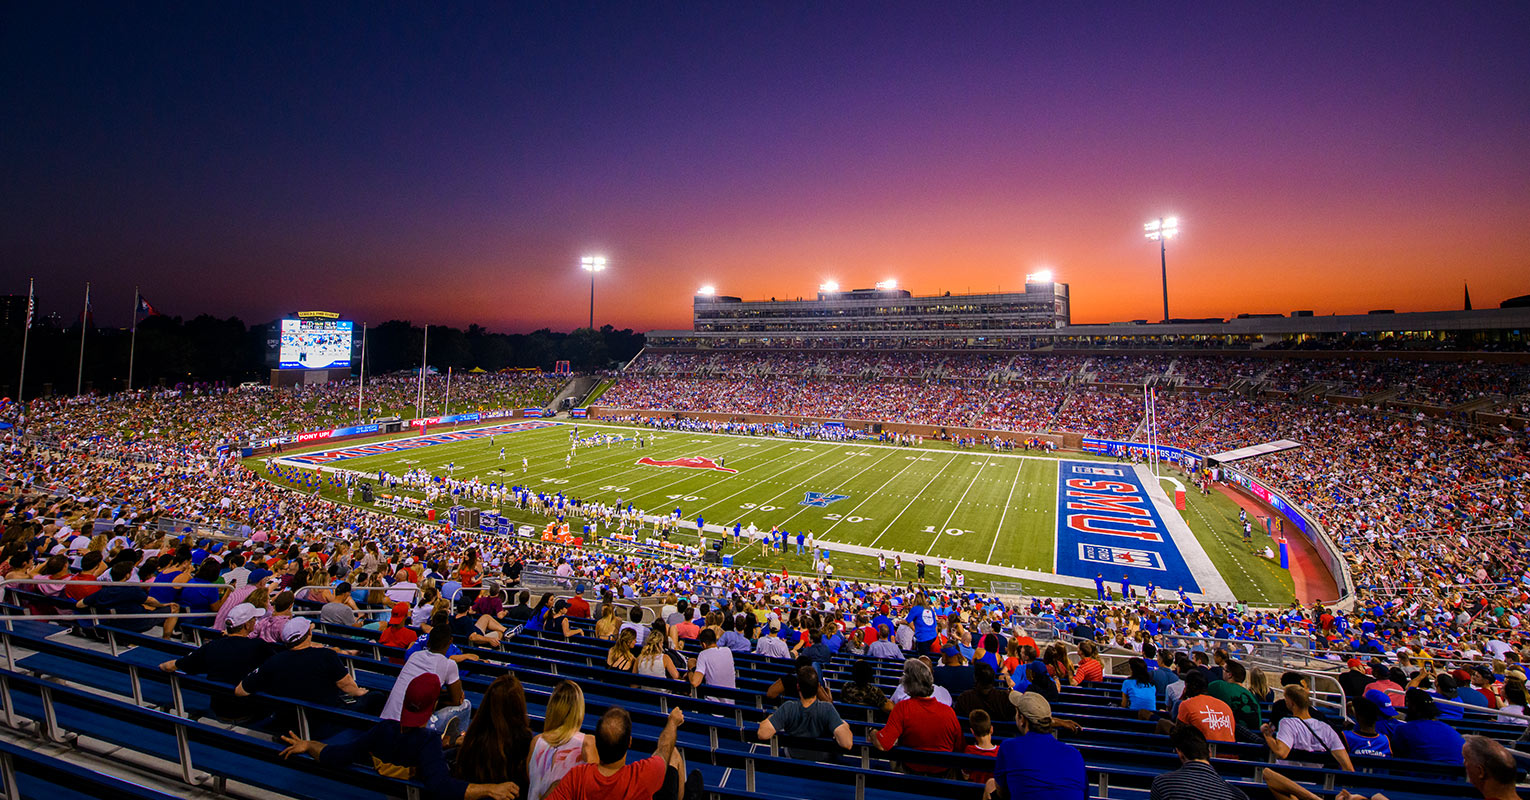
[[890, 283], [592, 265], [1163, 229], [1043, 275], [829, 286], [707, 291]]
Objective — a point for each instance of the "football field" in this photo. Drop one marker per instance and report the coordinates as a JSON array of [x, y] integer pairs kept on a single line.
[[997, 516]]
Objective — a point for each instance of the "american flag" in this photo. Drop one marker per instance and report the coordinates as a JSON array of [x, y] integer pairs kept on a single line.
[[31, 302]]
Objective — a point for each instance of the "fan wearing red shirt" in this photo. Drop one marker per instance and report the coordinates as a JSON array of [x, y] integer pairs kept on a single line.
[[660, 776], [578, 607], [1089, 668], [80, 585], [921, 722], [395, 633]]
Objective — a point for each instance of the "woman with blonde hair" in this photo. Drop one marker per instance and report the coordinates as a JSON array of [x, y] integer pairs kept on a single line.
[[1259, 685], [653, 660], [620, 657], [560, 746], [605, 627]]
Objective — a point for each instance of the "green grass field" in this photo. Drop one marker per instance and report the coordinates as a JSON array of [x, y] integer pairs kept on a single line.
[[931, 502]]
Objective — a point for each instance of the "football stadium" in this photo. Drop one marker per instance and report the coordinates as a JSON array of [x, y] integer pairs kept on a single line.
[[784, 538]]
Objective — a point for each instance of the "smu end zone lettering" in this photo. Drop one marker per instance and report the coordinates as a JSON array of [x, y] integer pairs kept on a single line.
[[1109, 508], [402, 445], [1107, 524]]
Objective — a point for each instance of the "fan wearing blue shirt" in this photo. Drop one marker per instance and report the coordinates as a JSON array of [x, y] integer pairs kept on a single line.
[[922, 618], [1423, 736]]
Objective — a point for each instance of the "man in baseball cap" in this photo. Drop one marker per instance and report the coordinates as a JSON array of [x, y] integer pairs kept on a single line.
[[304, 671], [228, 660], [1034, 762], [1355, 678]]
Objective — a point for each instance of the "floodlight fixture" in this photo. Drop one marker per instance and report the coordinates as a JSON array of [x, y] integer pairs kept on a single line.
[[1039, 276], [829, 286], [1162, 230], [592, 265], [707, 291], [890, 283]]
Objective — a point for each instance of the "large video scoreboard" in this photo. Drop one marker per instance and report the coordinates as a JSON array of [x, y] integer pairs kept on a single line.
[[314, 342]]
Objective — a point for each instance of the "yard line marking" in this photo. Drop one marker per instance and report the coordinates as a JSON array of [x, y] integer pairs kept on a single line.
[[938, 473], [1000, 529], [841, 485], [789, 468], [684, 477], [799, 484], [942, 531]]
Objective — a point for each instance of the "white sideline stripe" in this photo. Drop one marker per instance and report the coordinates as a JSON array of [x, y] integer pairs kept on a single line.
[[1056, 501], [959, 501], [1213, 585], [852, 443], [999, 530]]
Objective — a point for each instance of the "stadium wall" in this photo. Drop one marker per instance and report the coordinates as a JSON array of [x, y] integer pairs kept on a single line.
[[310, 438], [927, 431], [1310, 529]]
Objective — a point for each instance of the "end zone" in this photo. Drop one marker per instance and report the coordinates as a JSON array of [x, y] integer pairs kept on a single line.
[[315, 459], [1115, 520]]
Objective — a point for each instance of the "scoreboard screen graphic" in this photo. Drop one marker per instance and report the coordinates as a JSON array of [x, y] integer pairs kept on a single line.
[[315, 344]]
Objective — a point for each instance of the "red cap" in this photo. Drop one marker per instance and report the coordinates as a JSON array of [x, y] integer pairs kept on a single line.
[[419, 701], [1354, 663], [400, 613]]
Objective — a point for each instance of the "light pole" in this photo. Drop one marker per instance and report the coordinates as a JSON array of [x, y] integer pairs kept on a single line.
[[592, 265], [1163, 229]]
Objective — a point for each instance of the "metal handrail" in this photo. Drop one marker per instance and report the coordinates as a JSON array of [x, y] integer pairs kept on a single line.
[[1467, 706]]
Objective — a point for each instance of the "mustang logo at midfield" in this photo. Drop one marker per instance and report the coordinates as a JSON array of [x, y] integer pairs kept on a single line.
[[692, 462]]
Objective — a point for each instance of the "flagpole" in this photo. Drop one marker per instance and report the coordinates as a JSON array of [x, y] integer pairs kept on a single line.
[[133, 340], [21, 381], [446, 412], [361, 387], [79, 377]]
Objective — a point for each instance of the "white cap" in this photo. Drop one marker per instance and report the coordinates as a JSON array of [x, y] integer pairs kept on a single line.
[[295, 629], [242, 613]]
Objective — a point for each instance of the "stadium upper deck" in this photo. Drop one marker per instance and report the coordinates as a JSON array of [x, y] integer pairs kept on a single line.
[[1039, 318]]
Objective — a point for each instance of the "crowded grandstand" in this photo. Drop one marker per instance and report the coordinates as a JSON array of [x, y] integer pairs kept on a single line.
[[194, 600]]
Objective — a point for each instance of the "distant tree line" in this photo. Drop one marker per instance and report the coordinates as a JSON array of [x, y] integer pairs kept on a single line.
[[207, 349]]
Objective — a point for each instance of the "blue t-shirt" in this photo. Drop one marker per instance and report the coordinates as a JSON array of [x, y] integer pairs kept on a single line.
[[1037, 766], [1469, 694], [1446, 712], [923, 620], [1378, 745], [1140, 696], [1428, 740]]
